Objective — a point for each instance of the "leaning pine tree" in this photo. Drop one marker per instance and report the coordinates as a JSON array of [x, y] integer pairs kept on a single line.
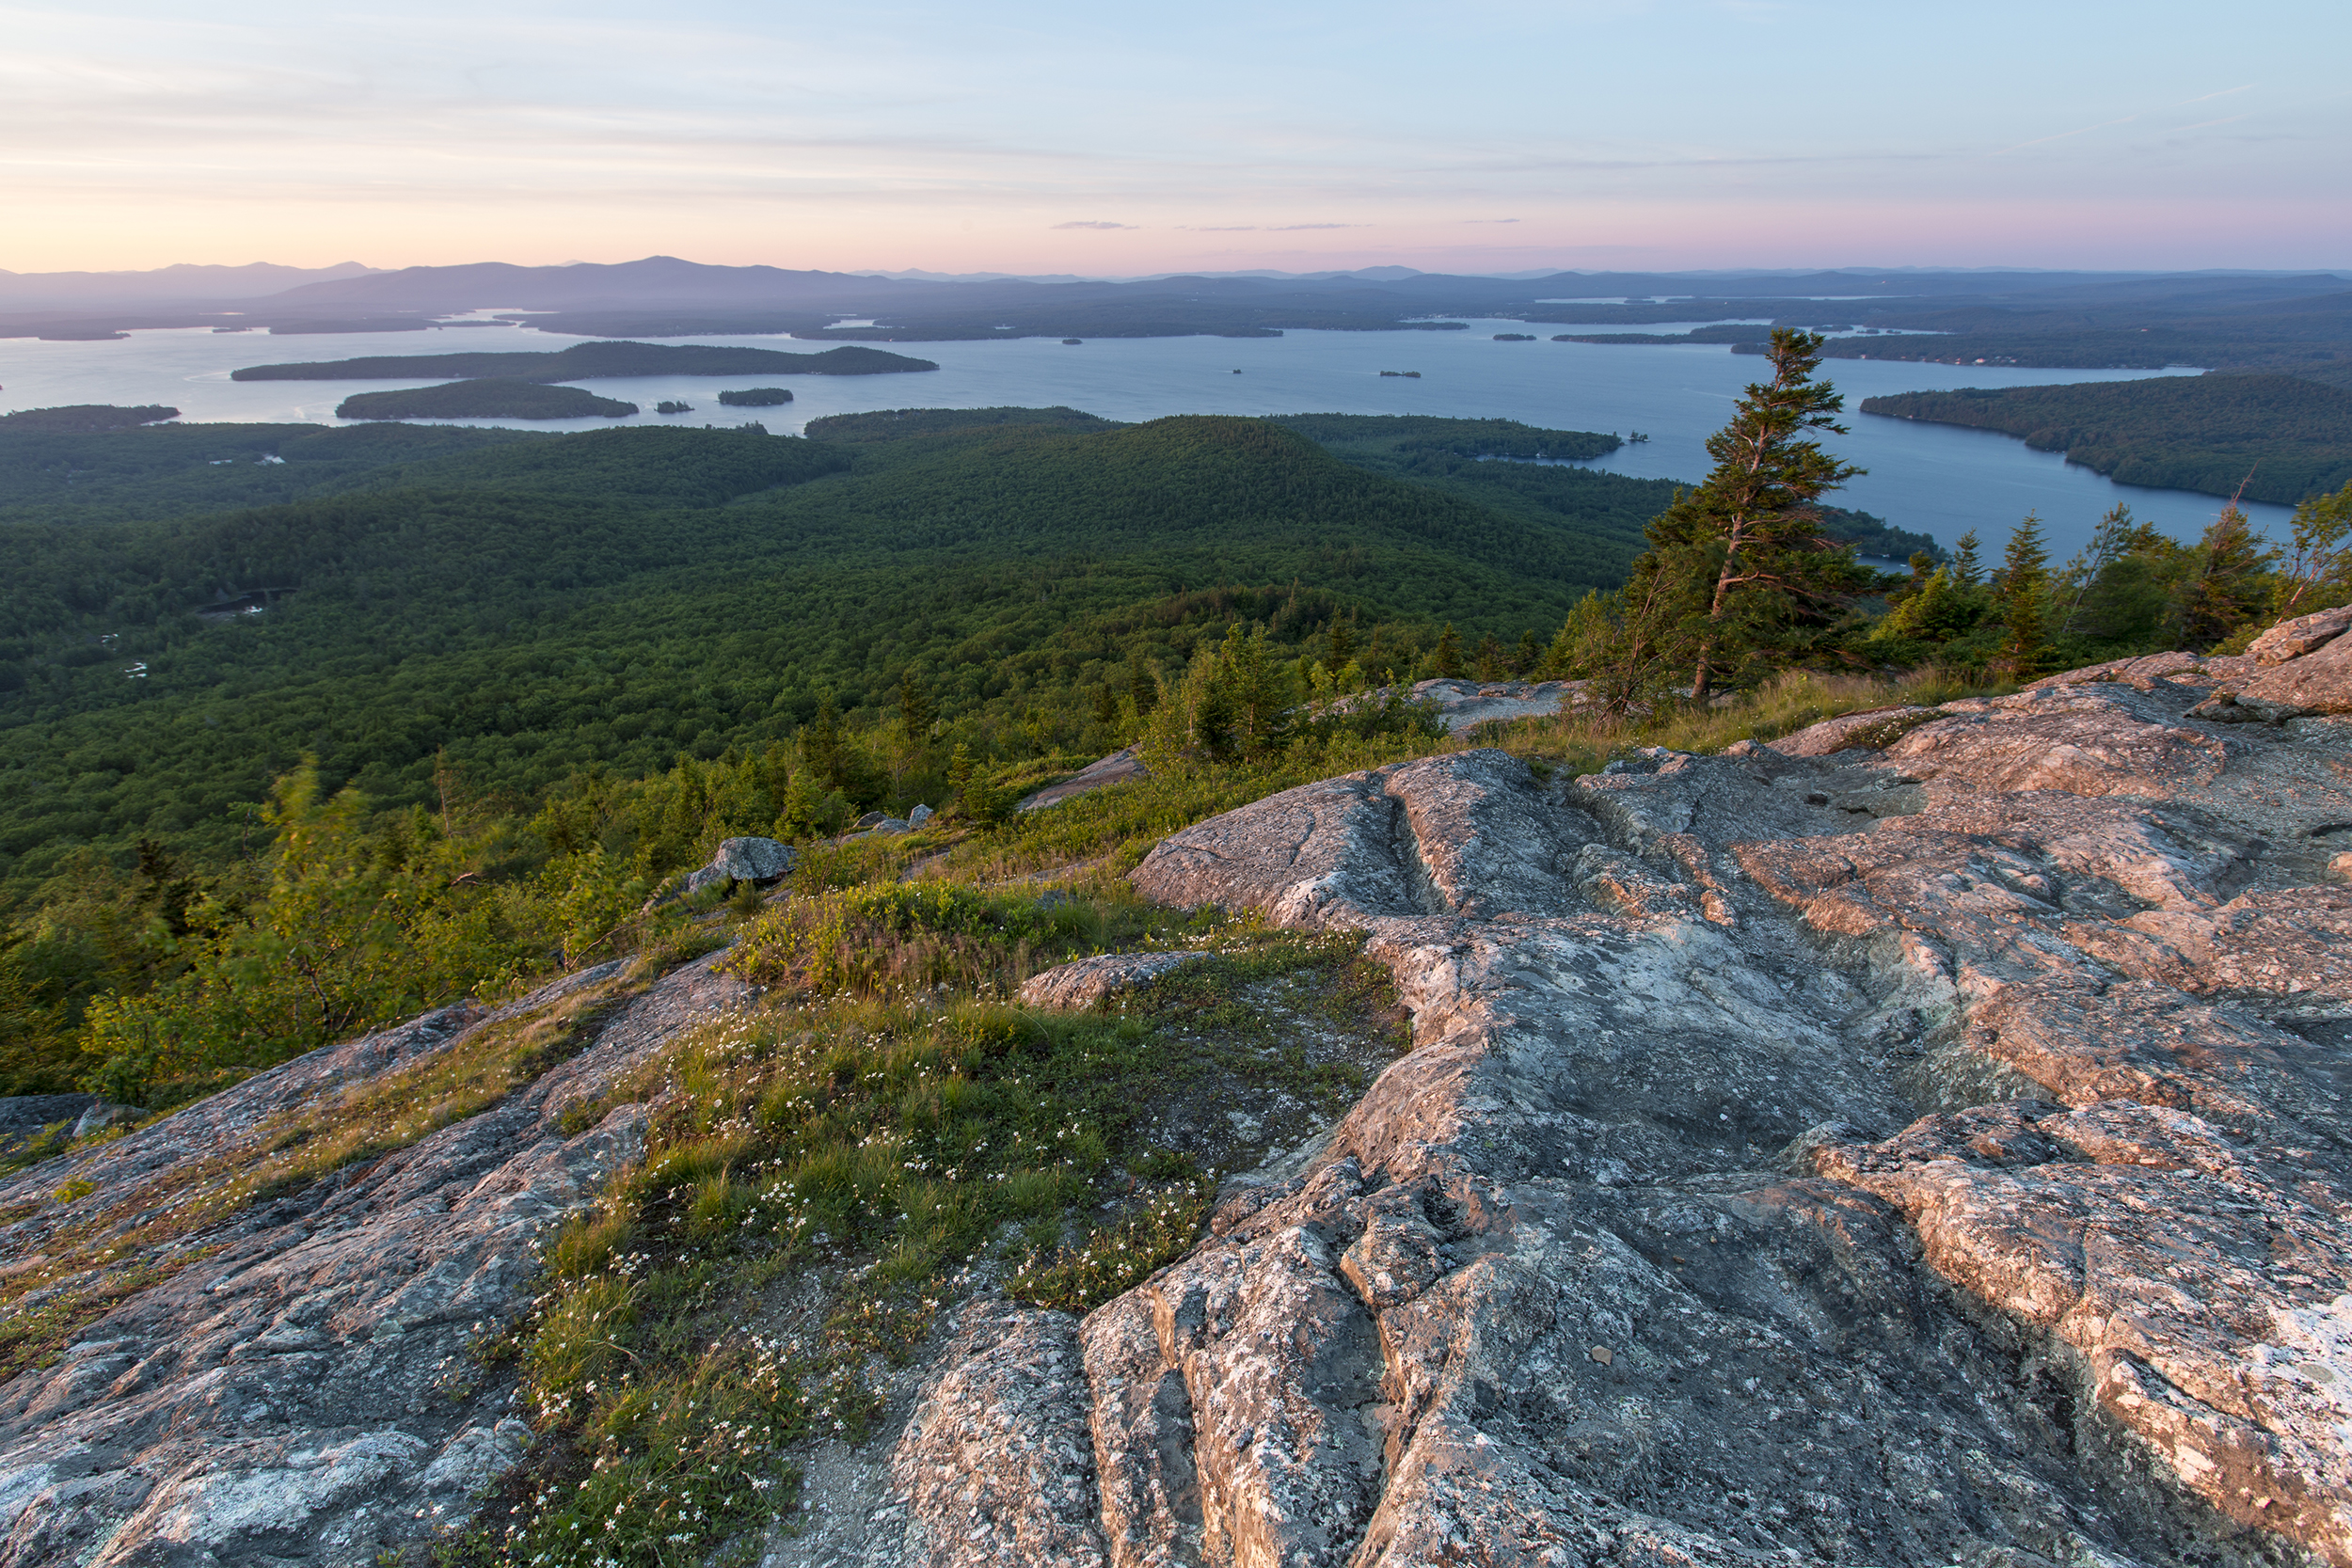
[[1742, 554]]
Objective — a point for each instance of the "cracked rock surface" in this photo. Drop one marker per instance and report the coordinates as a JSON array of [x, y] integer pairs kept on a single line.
[[1919, 1142], [297, 1393]]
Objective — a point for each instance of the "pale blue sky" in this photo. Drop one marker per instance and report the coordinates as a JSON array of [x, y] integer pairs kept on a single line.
[[1103, 139]]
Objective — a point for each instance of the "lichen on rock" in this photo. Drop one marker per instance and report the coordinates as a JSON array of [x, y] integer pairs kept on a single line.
[[1964, 1184]]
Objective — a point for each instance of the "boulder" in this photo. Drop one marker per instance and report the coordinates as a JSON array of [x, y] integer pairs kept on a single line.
[[2299, 667], [2305, 634], [763, 860], [2319, 681], [1087, 982], [103, 1114], [920, 816]]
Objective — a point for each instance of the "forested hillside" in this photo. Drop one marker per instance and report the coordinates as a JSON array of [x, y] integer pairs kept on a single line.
[[539, 605], [2282, 437]]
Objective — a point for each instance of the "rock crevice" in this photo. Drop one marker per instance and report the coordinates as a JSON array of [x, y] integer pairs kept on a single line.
[[1915, 1142]]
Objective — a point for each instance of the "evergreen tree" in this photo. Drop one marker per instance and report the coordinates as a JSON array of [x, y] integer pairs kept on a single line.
[[1143, 681], [2024, 581], [1531, 654], [1450, 652], [1749, 540], [2226, 585], [820, 743], [1584, 641], [802, 805], [2109, 542], [1489, 659], [1340, 644], [1195, 719], [1968, 570], [1257, 689], [1939, 611], [915, 707]]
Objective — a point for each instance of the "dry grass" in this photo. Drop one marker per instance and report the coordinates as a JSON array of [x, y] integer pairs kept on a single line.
[[1783, 705], [150, 1231]]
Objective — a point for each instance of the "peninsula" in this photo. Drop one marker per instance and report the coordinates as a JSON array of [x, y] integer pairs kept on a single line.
[[2209, 433]]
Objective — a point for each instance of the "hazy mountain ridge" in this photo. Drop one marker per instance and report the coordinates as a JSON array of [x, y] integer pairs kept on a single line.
[[663, 295]]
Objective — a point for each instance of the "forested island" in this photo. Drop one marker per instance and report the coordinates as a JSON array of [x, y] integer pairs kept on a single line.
[[84, 418], [2282, 437], [757, 397], [487, 398], [593, 361]]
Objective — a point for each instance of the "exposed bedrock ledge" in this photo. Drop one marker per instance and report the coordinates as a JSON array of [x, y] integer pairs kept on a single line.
[[299, 1392], [1913, 1156]]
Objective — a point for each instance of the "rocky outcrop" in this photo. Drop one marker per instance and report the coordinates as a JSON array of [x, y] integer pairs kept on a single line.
[[297, 1387], [1921, 1142], [1087, 982], [1118, 767], [2298, 667], [1462, 705]]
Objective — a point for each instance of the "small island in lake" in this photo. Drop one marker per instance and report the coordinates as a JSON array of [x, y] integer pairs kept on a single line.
[[1071, 342], [490, 398], [666, 406], [757, 397], [1515, 337], [86, 418], [1409, 375], [591, 361]]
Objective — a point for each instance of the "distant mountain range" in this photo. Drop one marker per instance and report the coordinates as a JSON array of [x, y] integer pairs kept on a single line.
[[2298, 322], [182, 284]]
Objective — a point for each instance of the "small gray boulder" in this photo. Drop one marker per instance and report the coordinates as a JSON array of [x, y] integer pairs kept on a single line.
[[754, 860]]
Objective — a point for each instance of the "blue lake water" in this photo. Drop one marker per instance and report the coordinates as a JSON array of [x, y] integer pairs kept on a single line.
[[1936, 479]]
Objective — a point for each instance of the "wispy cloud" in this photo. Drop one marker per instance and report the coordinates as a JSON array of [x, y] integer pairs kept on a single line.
[[2063, 134], [2207, 98], [1087, 223]]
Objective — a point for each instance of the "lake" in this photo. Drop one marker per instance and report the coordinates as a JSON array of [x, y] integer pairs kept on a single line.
[[1937, 479]]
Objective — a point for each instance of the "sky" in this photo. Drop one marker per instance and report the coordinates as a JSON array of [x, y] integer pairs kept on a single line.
[[1479, 135]]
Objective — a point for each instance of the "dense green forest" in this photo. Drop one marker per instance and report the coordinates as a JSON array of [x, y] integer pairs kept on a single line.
[[497, 618], [2282, 437], [167, 472], [588, 361], [453, 703], [489, 398], [757, 397], [539, 605]]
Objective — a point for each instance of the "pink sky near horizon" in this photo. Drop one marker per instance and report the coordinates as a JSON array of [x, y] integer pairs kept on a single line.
[[1046, 136]]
